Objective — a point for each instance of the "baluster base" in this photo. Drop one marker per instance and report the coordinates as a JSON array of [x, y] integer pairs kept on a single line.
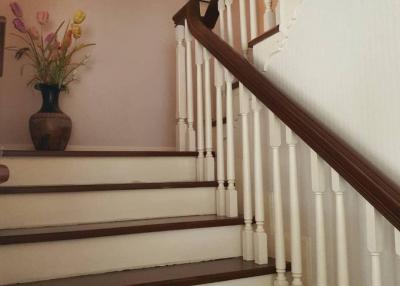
[[181, 129], [191, 139], [209, 170], [247, 243], [281, 280], [260, 248], [200, 166], [231, 203], [220, 199]]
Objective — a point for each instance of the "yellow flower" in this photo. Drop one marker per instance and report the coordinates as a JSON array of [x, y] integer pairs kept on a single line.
[[79, 17], [76, 31]]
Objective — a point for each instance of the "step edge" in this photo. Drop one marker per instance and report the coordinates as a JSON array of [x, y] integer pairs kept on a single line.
[[48, 236], [14, 190]]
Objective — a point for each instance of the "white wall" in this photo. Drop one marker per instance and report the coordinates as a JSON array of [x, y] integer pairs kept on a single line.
[[126, 96], [341, 62]]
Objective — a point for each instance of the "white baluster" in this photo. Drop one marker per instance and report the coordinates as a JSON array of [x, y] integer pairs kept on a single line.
[[269, 16], [295, 228], [341, 236], [231, 207], [181, 126], [397, 242], [275, 143], [260, 237], [209, 162], [253, 19], [373, 229], [219, 82], [191, 136], [244, 102], [200, 121], [318, 188], [221, 10]]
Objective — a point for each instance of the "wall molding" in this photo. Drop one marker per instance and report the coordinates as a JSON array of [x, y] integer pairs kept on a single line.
[[29, 147]]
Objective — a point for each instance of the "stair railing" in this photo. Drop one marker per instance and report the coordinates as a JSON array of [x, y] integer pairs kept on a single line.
[[255, 91]]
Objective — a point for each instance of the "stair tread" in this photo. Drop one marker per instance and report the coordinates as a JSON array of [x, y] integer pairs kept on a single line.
[[19, 153], [184, 274], [104, 187], [70, 232]]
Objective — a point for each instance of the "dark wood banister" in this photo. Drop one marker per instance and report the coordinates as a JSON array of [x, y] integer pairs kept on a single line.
[[365, 178]]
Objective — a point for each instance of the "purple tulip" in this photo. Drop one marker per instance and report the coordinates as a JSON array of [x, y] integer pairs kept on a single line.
[[19, 25], [16, 9], [50, 38]]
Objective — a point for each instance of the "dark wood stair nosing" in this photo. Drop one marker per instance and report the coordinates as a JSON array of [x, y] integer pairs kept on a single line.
[[73, 232], [14, 190], [178, 275], [17, 153], [264, 36]]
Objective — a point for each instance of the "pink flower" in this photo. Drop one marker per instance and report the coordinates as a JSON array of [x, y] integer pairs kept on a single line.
[[43, 17], [34, 33], [16, 9], [19, 25], [50, 38]]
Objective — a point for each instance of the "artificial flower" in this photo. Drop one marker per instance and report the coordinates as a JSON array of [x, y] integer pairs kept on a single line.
[[79, 17], [34, 33], [76, 31], [42, 17], [16, 9], [19, 25], [67, 40], [49, 38]]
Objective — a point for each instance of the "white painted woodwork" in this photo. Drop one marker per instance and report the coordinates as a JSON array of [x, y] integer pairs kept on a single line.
[[373, 230], [200, 112], [243, 27], [264, 280], [51, 209], [397, 242], [244, 107], [181, 126], [318, 188], [260, 237], [253, 19], [42, 261], [221, 10], [191, 135], [275, 142], [220, 193], [98, 170], [269, 16], [295, 227], [231, 203], [342, 267], [209, 160]]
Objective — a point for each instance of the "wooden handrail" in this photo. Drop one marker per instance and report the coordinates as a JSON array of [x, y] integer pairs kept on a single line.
[[2, 40], [365, 178], [4, 174]]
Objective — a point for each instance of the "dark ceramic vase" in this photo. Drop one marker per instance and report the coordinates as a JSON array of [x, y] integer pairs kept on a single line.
[[50, 128]]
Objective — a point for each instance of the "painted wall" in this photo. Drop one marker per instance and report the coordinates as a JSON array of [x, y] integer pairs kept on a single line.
[[341, 63], [126, 96]]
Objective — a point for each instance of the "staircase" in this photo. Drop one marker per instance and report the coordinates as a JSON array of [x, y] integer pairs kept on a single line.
[[204, 215], [82, 218]]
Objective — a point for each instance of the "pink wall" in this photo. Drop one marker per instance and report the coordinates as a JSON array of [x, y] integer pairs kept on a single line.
[[126, 96]]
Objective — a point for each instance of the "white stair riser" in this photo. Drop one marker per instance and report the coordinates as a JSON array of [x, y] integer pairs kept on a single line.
[[42, 261], [47, 209], [265, 280], [98, 170]]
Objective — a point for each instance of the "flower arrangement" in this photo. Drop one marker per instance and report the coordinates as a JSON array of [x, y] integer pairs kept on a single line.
[[51, 56]]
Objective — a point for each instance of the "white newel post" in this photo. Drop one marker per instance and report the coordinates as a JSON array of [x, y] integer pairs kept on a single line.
[[341, 235], [295, 228], [269, 16], [200, 121], [275, 142], [181, 126], [190, 134], [244, 102], [318, 188], [209, 161], [373, 230], [220, 195], [231, 205]]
